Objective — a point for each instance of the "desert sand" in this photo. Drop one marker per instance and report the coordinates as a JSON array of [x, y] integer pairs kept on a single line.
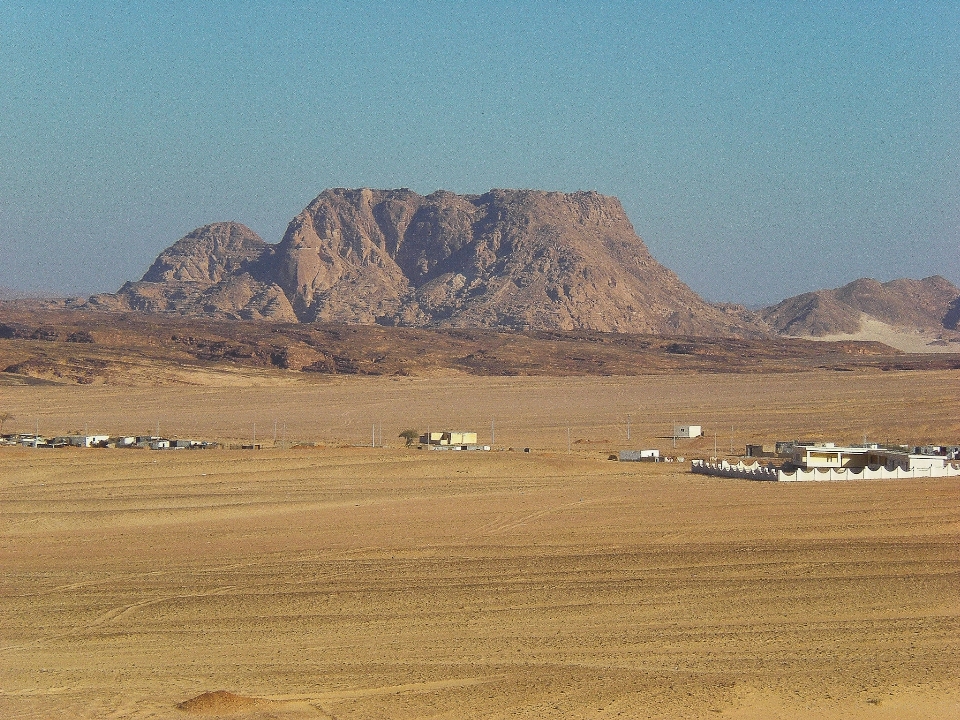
[[538, 412], [340, 581], [917, 341]]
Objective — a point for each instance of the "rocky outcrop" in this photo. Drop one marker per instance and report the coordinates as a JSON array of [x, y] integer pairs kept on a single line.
[[217, 270], [928, 304], [208, 255], [336, 260], [516, 259]]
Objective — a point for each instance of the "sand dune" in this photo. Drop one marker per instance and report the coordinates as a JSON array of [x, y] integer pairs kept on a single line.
[[908, 341]]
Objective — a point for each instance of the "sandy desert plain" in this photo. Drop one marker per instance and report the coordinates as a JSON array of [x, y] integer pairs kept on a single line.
[[342, 581]]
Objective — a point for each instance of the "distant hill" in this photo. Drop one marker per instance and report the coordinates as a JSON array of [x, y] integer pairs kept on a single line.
[[512, 259], [931, 304]]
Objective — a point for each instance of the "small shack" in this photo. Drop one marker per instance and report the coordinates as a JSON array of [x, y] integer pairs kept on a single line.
[[687, 431], [81, 440], [639, 456], [187, 444], [765, 450]]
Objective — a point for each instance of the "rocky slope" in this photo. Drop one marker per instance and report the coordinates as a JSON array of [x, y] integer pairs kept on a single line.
[[931, 304], [214, 271], [517, 259]]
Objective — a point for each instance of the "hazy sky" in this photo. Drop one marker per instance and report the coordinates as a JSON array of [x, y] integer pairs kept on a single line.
[[761, 149]]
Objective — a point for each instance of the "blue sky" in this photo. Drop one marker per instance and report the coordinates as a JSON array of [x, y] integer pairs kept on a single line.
[[761, 149]]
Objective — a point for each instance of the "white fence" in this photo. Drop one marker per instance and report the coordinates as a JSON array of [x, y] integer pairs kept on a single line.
[[774, 474]]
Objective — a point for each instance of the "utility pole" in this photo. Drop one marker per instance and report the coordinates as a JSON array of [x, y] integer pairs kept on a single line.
[[493, 433], [373, 438], [628, 426], [569, 447], [254, 434]]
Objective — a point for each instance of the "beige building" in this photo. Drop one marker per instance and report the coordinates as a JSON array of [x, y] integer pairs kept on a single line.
[[828, 455], [449, 437]]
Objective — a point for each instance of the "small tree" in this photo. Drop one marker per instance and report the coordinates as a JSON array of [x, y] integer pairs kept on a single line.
[[4, 416], [410, 435]]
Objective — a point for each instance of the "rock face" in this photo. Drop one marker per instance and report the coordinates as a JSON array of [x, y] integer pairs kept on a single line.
[[929, 304], [208, 255], [216, 271], [517, 259], [510, 258]]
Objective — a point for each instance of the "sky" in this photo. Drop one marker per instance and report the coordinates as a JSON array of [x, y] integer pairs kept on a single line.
[[760, 149]]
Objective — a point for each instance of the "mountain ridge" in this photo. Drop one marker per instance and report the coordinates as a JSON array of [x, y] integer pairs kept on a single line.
[[512, 259], [508, 259]]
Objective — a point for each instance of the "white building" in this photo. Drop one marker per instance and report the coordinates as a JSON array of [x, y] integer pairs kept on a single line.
[[687, 431], [88, 440], [829, 455], [828, 462], [639, 455]]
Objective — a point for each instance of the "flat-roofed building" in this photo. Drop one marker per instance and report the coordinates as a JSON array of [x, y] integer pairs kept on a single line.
[[639, 455], [764, 450], [687, 431], [449, 437], [828, 455]]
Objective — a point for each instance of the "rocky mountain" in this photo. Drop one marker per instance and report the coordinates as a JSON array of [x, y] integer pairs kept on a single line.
[[215, 271], [931, 304], [513, 259], [508, 259]]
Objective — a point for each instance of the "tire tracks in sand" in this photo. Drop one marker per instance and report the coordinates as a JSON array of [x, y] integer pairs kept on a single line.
[[117, 614]]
